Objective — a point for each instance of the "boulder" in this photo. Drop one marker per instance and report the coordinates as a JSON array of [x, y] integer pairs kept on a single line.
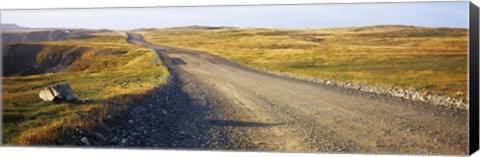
[[57, 92]]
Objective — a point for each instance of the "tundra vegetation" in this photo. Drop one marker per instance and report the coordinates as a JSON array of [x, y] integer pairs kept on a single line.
[[427, 60], [108, 75], [105, 72]]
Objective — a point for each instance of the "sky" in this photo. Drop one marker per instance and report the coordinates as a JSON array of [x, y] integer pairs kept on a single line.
[[427, 14]]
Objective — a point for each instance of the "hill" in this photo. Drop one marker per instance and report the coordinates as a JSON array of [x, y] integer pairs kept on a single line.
[[11, 27]]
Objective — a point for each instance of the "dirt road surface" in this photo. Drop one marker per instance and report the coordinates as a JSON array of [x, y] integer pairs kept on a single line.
[[214, 103]]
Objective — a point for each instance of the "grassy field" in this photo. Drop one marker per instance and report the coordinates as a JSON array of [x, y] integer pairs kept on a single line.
[[108, 82], [429, 60]]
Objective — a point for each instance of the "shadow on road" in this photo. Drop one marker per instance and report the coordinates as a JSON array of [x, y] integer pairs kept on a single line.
[[177, 61]]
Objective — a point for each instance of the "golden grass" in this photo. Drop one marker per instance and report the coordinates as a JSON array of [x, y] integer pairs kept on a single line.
[[429, 60], [96, 78]]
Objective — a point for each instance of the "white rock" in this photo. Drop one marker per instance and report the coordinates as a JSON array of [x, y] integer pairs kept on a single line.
[[46, 94], [57, 91], [85, 140]]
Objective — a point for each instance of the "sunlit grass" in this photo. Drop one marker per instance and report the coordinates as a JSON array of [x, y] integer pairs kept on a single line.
[[96, 78], [429, 60]]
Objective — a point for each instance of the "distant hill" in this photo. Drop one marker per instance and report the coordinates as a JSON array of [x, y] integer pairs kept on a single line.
[[38, 35], [11, 26], [200, 27]]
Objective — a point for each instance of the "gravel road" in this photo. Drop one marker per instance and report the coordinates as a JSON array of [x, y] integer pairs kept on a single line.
[[214, 103]]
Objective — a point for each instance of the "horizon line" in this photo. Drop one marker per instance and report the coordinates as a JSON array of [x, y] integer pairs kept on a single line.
[[225, 27]]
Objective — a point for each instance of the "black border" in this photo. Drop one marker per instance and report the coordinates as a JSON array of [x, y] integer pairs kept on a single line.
[[473, 78]]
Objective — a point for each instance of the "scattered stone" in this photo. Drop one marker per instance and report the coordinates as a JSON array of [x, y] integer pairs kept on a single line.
[[81, 132], [124, 141], [409, 94], [99, 136], [125, 83], [85, 140], [78, 115], [56, 91], [108, 129], [181, 135], [94, 142], [108, 117]]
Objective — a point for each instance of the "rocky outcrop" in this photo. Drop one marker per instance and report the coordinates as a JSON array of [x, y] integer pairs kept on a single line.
[[57, 92], [32, 59], [22, 59], [19, 58]]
